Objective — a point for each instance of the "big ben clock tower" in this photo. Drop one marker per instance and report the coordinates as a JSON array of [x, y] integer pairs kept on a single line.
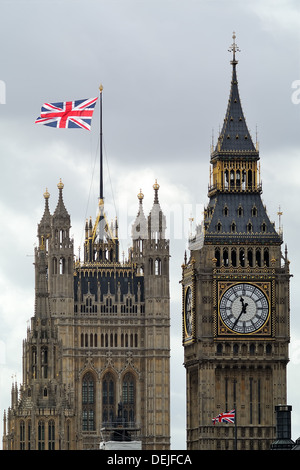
[[235, 296]]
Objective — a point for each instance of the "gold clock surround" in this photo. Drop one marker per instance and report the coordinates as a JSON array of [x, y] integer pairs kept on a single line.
[[223, 330]]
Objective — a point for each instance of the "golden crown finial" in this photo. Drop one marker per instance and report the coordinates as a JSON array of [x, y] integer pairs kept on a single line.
[[156, 186], [60, 185], [140, 196], [101, 87], [46, 194]]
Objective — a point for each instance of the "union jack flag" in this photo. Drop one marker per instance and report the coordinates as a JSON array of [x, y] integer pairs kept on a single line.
[[227, 417], [76, 114]]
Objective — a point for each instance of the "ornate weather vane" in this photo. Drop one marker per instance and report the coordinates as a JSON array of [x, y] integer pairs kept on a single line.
[[234, 48]]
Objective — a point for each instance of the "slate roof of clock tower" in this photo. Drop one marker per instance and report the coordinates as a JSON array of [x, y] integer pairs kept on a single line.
[[234, 137], [237, 214], [238, 218]]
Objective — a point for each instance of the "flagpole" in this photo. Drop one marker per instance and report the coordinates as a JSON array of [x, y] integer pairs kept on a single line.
[[101, 149], [235, 431]]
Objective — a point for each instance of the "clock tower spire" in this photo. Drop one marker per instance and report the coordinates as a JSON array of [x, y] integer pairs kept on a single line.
[[235, 295]]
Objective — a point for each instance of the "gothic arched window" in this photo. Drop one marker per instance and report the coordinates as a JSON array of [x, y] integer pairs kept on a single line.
[[33, 362], [258, 257], [68, 434], [51, 435], [41, 435], [22, 435], [238, 179], [240, 211], [44, 362], [254, 211], [268, 349], [108, 398], [62, 265], [266, 257], [218, 257], [54, 266], [249, 179], [250, 257], [129, 398], [242, 257], [226, 179], [88, 402], [225, 257], [233, 257], [232, 178], [157, 267], [150, 266], [243, 180], [28, 434]]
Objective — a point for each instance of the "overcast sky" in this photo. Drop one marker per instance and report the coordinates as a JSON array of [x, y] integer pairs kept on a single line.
[[165, 69]]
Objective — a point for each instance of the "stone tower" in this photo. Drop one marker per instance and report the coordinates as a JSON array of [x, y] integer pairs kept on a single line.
[[235, 296], [96, 360]]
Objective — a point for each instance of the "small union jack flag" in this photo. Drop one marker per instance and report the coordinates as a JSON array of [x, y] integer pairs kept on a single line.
[[227, 417], [76, 114]]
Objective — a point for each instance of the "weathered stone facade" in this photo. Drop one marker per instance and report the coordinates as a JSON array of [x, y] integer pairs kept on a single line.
[[235, 297], [96, 357]]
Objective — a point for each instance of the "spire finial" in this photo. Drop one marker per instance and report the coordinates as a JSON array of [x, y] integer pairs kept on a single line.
[[60, 185], [46, 194], [279, 213], [140, 196], [42, 245], [234, 48], [156, 188]]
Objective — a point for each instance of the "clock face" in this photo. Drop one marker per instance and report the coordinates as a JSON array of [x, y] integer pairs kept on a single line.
[[244, 308], [188, 312]]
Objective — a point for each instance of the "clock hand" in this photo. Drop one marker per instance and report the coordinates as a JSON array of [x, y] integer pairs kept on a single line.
[[244, 307]]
